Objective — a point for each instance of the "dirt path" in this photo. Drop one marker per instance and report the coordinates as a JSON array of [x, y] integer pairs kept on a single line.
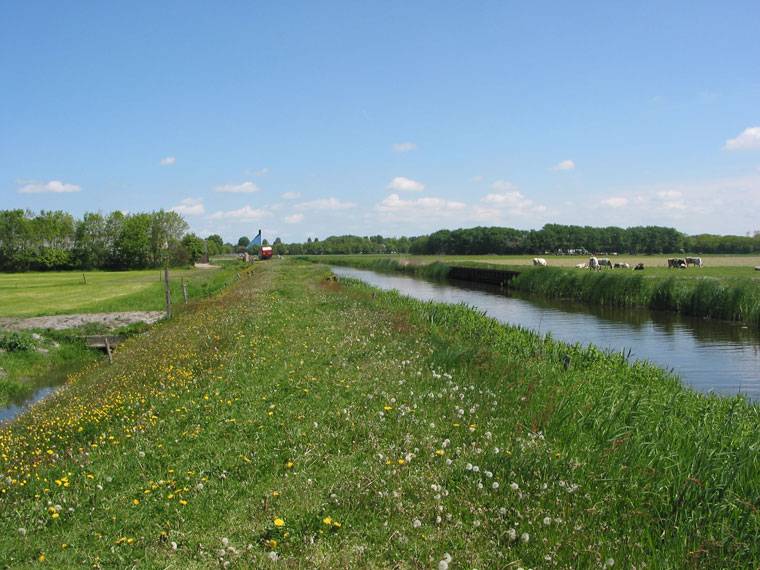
[[60, 322]]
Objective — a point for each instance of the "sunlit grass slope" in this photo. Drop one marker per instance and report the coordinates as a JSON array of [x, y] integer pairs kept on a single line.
[[298, 423], [71, 292]]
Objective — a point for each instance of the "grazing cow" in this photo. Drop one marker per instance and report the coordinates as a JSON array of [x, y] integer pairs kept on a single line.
[[677, 263], [757, 268], [639, 267], [539, 261], [605, 262], [694, 261], [581, 265], [593, 264], [622, 266]]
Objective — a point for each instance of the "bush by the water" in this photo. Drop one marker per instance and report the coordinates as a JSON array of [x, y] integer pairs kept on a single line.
[[15, 342]]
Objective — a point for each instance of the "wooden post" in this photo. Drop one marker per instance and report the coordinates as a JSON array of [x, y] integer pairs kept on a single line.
[[84, 279], [184, 290], [108, 349], [168, 297]]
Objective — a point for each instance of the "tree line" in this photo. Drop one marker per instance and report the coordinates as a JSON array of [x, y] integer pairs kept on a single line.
[[551, 239], [54, 240]]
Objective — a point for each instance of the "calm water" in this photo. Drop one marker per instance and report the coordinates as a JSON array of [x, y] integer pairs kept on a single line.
[[36, 390], [716, 356]]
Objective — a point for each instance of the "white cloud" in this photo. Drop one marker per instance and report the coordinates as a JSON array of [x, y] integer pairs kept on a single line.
[[513, 202], [404, 147], [395, 209], [168, 160], [325, 204], [615, 202], [477, 178], [749, 139], [189, 207], [503, 186], [290, 195], [669, 195], [405, 185], [294, 219], [245, 187], [54, 187], [564, 165], [246, 213], [262, 172]]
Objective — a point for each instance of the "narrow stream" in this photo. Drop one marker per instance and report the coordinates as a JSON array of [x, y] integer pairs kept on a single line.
[[707, 355], [35, 390]]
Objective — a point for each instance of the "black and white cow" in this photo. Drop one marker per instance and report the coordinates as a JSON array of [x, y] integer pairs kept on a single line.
[[694, 261], [539, 261]]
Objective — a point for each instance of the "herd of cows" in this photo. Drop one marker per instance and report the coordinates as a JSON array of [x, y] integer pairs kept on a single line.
[[596, 263]]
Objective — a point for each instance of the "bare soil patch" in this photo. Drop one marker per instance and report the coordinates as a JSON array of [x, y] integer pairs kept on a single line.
[[111, 321]]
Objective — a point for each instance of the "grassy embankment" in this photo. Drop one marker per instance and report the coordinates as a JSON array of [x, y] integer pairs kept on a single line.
[[730, 291], [325, 425], [24, 357]]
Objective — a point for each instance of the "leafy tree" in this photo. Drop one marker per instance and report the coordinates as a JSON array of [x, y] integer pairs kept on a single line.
[[215, 244]]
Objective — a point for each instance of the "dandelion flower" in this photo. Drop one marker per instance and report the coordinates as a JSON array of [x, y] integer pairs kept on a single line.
[[610, 562], [525, 537], [547, 520], [443, 565], [417, 523], [273, 556], [279, 522]]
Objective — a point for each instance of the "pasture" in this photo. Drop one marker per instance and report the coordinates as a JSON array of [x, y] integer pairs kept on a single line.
[[72, 292], [342, 427]]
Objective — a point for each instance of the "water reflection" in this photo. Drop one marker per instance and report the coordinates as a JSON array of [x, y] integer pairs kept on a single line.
[[35, 390], [707, 355]]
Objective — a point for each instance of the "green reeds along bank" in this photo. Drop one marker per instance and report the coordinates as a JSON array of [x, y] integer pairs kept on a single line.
[[735, 299], [302, 423]]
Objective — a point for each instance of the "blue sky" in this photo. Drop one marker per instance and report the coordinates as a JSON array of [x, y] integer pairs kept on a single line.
[[310, 119]]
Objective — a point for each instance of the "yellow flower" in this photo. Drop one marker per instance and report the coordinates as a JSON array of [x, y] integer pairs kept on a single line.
[[327, 520], [279, 522]]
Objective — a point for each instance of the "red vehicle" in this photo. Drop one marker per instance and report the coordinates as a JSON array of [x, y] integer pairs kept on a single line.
[[265, 252]]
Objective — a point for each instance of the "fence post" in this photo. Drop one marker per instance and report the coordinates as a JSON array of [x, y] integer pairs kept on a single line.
[[168, 298], [184, 290]]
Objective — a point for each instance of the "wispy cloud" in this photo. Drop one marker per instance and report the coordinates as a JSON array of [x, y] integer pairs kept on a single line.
[[395, 209], [404, 147], [564, 165], [189, 207], [290, 195], [503, 186], [293, 219], [749, 139], [405, 185], [245, 187], [615, 202], [246, 213], [54, 187], [261, 172], [167, 161], [325, 204]]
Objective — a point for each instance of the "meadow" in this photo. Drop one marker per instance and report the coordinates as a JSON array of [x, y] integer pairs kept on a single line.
[[296, 422], [70, 292]]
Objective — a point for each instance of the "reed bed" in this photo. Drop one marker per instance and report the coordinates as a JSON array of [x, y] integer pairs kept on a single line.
[[296, 422]]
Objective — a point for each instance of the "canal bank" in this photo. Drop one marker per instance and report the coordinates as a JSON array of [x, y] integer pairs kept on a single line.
[[735, 299], [707, 355], [335, 425]]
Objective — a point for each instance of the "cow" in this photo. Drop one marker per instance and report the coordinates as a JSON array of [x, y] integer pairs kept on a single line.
[[581, 265], [622, 266], [539, 261], [593, 264], [694, 261], [639, 267], [606, 262], [676, 262]]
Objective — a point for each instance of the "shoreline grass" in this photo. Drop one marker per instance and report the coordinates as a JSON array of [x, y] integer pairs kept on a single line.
[[301, 423], [697, 294]]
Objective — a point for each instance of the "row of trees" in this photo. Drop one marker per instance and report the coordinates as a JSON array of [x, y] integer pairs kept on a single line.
[[552, 238], [56, 241]]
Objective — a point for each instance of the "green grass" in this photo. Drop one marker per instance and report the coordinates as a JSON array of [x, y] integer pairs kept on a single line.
[[70, 292], [333, 426]]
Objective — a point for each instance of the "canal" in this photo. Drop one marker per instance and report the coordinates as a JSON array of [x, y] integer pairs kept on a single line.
[[707, 355]]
